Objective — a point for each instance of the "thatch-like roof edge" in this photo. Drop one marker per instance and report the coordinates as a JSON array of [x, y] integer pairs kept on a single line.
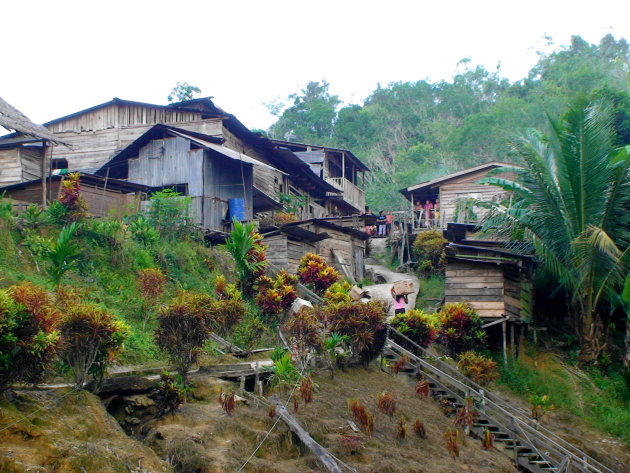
[[12, 119]]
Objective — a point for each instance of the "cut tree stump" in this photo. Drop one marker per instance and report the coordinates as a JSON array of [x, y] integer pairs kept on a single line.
[[320, 452]]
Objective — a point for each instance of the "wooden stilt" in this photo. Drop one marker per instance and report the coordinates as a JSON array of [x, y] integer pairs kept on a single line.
[[512, 342], [504, 329]]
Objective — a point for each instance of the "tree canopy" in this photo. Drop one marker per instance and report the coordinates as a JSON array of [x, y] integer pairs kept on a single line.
[[409, 132]]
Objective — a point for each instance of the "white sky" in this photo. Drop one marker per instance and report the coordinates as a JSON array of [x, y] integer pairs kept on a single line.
[[59, 57]]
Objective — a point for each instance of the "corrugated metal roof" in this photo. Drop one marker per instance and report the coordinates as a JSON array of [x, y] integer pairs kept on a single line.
[[225, 151]]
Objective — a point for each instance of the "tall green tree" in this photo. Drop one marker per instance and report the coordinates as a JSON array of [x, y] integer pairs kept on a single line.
[[310, 118], [182, 92], [573, 196]]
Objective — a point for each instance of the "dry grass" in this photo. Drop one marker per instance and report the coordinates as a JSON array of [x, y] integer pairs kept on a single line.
[[73, 434]]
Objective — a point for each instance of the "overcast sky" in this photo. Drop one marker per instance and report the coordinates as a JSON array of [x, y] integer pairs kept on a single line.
[[63, 56]]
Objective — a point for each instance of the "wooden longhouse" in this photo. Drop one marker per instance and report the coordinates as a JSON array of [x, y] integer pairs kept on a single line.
[[195, 165], [95, 135]]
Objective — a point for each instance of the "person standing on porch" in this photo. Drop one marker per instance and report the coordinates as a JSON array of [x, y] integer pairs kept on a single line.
[[436, 211], [428, 213], [390, 222], [381, 223]]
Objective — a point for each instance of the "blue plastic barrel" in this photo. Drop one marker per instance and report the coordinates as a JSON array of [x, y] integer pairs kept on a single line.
[[237, 208]]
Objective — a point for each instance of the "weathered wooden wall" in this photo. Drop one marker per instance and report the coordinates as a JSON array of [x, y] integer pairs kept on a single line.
[[97, 135], [481, 285], [103, 202], [168, 162], [466, 187], [33, 192], [212, 179], [277, 250], [224, 179], [10, 166], [31, 159]]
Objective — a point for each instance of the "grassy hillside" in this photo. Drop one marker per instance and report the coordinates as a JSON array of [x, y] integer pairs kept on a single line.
[[106, 270]]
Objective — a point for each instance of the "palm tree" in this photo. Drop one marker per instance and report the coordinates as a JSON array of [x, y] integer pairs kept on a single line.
[[571, 204]]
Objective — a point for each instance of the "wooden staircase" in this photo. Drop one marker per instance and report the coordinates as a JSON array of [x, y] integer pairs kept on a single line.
[[531, 446]]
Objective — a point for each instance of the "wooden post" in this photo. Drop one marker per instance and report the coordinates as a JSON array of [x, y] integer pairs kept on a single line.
[[343, 165], [43, 174], [242, 386], [504, 329], [320, 453], [256, 374], [512, 342]]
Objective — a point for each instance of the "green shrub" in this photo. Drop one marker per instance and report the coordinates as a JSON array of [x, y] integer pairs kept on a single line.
[[419, 326], [63, 255], [338, 292], [90, 339], [248, 331], [249, 254], [142, 231], [429, 250], [363, 323], [169, 213], [461, 328], [183, 328], [168, 395], [316, 273], [481, 369], [28, 334]]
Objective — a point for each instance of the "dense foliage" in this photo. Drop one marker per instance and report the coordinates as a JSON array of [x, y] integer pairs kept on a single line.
[[363, 324], [316, 273], [275, 295], [461, 328], [481, 369], [571, 204], [183, 328], [419, 326], [428, 248], [28, 334], [410, 132], [91, 337]]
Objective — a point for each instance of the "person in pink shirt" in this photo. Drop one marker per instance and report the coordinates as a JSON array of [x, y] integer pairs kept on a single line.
[[428, 213], [401, 302]]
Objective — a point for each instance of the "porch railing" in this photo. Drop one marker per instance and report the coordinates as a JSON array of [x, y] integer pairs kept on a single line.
[[351, 193]]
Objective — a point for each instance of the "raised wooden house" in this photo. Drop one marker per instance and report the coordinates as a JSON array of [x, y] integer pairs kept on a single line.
[[338, 167], [195, 165], [95, 135], [452, 197]]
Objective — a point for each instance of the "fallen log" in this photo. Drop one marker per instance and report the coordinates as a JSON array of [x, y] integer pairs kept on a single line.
[[320, 452]]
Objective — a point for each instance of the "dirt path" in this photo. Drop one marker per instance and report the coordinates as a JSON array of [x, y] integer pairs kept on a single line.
[[383, 291]]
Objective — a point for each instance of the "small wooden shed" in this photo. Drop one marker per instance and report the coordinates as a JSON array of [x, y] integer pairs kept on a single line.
[[103, 196], [344, 248], [288, 244], [493, 279]]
